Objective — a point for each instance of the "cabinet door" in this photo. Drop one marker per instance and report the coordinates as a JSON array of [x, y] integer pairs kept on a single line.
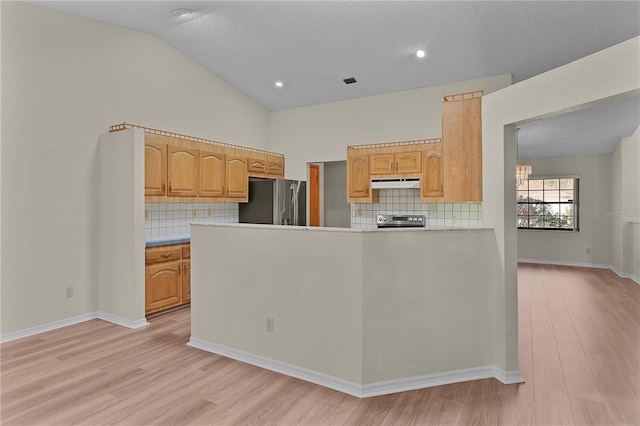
[[186, 281], [462, 149], [358, 178], [433, 173], [409, 162], [155, 169], [183, 171], [257, 165], [383, 164], [237, 177], [162, 286], [275, 167], [211, 182]]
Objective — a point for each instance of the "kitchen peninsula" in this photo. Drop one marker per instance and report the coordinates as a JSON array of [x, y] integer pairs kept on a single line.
[[366, 312]]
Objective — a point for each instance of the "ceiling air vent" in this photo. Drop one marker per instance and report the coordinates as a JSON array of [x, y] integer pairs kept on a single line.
[[349, 80]]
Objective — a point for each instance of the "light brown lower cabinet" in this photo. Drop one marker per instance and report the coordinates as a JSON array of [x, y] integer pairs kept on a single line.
[[167, 277], [186, 281]]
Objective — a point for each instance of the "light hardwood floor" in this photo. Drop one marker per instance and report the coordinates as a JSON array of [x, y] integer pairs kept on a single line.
[[579, 332]]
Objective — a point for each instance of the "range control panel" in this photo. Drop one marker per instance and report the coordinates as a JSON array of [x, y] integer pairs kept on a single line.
[[401, 221]]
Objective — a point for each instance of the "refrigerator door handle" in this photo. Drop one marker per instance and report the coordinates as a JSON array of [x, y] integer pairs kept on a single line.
[[294, 219]]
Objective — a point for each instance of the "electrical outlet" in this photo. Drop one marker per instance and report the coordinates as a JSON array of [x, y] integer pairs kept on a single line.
[[269, 324], [209, 212], [358, 212], [454, 219], [588, 250], [194, 213], [146, 214], [68, 292]]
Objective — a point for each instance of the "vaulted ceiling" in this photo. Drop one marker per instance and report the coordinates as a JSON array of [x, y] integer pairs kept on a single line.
[[311, 46]]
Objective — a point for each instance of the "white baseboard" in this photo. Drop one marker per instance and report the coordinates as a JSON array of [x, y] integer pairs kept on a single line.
[[618, 272], [122, 321], [354, 389], [7, 337]]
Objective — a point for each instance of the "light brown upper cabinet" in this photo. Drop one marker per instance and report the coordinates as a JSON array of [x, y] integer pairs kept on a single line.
[[266, 165], [462, 147], [275, 166], [257, 165], [396, 163], [155, 168], [237, 178], [182, 170], [358, 178], [432, 184], [212, 176]]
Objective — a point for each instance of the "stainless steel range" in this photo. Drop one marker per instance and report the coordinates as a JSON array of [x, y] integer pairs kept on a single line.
[[401, 221]]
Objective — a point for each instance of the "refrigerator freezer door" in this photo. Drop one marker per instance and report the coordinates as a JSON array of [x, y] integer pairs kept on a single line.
[[260, 206]]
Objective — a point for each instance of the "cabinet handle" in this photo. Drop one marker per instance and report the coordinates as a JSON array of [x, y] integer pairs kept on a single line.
[[169, 187], [166, 255], [163, 187]]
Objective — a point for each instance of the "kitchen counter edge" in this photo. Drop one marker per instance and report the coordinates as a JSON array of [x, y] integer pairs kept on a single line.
[[331, 229]]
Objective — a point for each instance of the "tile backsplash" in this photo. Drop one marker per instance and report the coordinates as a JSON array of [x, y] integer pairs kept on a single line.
[[407, 201], [173, 219]]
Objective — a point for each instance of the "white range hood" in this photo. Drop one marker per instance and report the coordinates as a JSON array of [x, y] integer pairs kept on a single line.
[[395, 183]]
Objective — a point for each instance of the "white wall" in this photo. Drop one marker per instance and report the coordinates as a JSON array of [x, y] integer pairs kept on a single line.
[[624, 210], [121, 275], [323, 132], [606, 74], [352, 306], [64, 81], [595, 227], [309, 282]]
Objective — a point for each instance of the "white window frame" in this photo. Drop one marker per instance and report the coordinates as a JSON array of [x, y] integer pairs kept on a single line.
[[574, 202]]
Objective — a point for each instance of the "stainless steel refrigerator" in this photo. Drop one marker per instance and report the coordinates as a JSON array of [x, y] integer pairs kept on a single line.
[[275, 201]]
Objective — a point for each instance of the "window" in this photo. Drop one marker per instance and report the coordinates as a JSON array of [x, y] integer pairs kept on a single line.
[[548, 203]]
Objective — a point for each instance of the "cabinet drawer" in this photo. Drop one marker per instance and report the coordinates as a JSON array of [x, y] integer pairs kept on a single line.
[[186, 251], [162, 254]]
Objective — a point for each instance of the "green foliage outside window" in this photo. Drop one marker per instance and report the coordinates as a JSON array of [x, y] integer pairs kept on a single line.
[[548, 204]]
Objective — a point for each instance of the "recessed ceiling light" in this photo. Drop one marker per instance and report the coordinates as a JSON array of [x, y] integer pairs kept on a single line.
[[420, 53], [181, 12], [278, 83]]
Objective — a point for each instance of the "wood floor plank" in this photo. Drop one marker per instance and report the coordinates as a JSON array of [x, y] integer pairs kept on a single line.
[[543, 341], [563, 328], [621, 402], [590, 337], [577, 373], [588, 412], [525, 350], [551, 399]]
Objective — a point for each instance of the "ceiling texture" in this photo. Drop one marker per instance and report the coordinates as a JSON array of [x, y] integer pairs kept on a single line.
[[311, 46]]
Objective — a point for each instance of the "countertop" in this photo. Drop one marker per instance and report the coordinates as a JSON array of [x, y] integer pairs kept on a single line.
[[330, 229], [180, 239], [166, 240]]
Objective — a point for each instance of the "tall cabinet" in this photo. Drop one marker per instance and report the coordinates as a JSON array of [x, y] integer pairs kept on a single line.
[[462, 146]]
